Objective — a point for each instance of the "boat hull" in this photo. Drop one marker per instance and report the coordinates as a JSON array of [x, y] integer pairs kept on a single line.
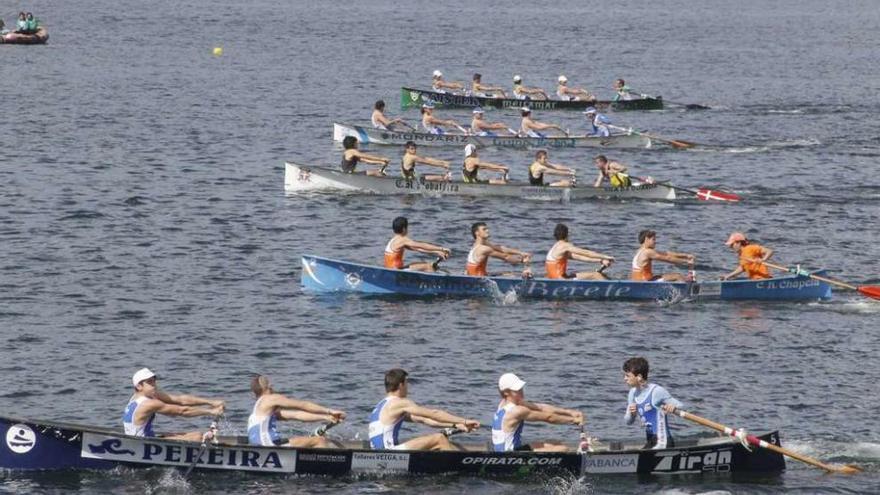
[[301, 178], [370, 135], [411, 97], [38, 38], [328, 275], [42, 445]]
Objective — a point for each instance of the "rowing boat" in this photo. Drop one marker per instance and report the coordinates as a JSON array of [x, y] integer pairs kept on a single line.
[[411, 97], [304, 178], [44, 445], [328, 275], [39, 37], [371, 135]]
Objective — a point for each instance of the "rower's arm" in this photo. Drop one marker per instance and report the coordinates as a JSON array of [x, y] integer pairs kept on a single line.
[[306, 417], [582, 254], [418, 414], [735, 273], [616, 167], [433, 162], [599, 180], [767, 253], [373, 159], [186, 411], [492, 166], [661, 397], [185, 400], [425, 247], [300, 405]]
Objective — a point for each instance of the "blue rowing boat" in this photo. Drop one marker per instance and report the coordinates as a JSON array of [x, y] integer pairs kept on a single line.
[[328, 275]]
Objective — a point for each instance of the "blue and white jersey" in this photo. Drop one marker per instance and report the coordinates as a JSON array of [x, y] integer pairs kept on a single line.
[[261, 429], [128, 424], [432, 129], [535, 134], [599, 126], [505, 441], [384, 436], [648, 403]]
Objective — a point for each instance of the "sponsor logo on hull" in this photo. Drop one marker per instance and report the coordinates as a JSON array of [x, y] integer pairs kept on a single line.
[[20, 438], [511, 461], [718, 461], [379, 462], [615, 463]]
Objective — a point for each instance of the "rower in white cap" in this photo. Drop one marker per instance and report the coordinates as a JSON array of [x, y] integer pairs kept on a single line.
[[480, 127], [521, 92], [148, 400], [440, 86], [432, 124], [572, 94], [472, 166], [533, 128], [514, 410], [599, 123]]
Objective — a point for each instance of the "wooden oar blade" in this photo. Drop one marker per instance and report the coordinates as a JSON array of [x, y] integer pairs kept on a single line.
[[849, 469], [710, 195], [871, 291], [675, 143]]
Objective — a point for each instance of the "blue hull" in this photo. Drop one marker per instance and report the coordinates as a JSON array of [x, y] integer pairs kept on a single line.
[[327, 275]]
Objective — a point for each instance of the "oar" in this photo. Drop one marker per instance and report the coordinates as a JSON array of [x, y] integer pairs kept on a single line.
[[743, 436], [211, 435], [322, 430], [407, 125], [675, 143], [702, 193], [871, 291], [689, 106]]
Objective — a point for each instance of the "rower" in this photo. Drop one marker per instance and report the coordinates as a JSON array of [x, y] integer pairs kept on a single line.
[[482, 250], [432, 124], [272, 406], [541, 167], [612, 171], [521, 92], [440, 86], [622, 91], [751, 257], [650, 402], [480, 127], [514, 410], [352, 156], [598, 123], [400, 242], [532, 128], [472, 165], [411, 158], [148, 400], [642, 264], [390, 413], [380, 121], [572, 94], [486, 90], [558, 256]]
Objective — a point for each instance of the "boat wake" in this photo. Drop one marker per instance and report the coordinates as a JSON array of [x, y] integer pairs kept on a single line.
[[837, 452]]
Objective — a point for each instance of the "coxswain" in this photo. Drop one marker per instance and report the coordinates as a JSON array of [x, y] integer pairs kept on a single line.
[[598, 123], [514, 410], [622, 91], [486, 90], [401, 242], [521, 92], [411, 158], [482, 250], [612, 171], [572, 94], [380, 121], [542, 166], [642, 264], [650, 402], [272, 406], [533, 128], [472, 165], [556, 263], [352, 156], [751, 258], [148, 400], [21, 25], [390, 413], [433, 125], [440, 86], [479, 127]]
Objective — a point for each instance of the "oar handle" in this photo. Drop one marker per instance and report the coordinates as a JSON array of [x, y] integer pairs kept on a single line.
[[322, 430]]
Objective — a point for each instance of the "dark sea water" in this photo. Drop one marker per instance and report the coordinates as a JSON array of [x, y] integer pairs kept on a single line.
[[143, 222]]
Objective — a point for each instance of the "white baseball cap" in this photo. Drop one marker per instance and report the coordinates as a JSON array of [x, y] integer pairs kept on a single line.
[[517, 78], [525, 109], [141, 375], [469, 150], [509, 381], [477, 110], [562, 79], [437, 73]]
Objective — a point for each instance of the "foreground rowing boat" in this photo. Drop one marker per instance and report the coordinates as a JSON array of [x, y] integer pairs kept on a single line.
[[411, 97], [300, 178], [371, 135], [43, 445], [328, 275]]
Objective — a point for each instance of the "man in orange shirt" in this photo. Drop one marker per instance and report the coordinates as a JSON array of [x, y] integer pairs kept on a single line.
[[556, 262], [478, 257], [401, 242], [751, 257], [643, 261]]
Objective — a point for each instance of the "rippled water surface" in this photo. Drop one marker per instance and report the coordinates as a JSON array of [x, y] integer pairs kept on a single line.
[[143, 223]]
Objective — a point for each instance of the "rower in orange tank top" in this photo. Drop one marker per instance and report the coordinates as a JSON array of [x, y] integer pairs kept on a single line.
[[642, 270], [482, 250], [556, 267], [556, 262], [476, 268], [393, 259], [751, 258], [395, 248], [643, 261]]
